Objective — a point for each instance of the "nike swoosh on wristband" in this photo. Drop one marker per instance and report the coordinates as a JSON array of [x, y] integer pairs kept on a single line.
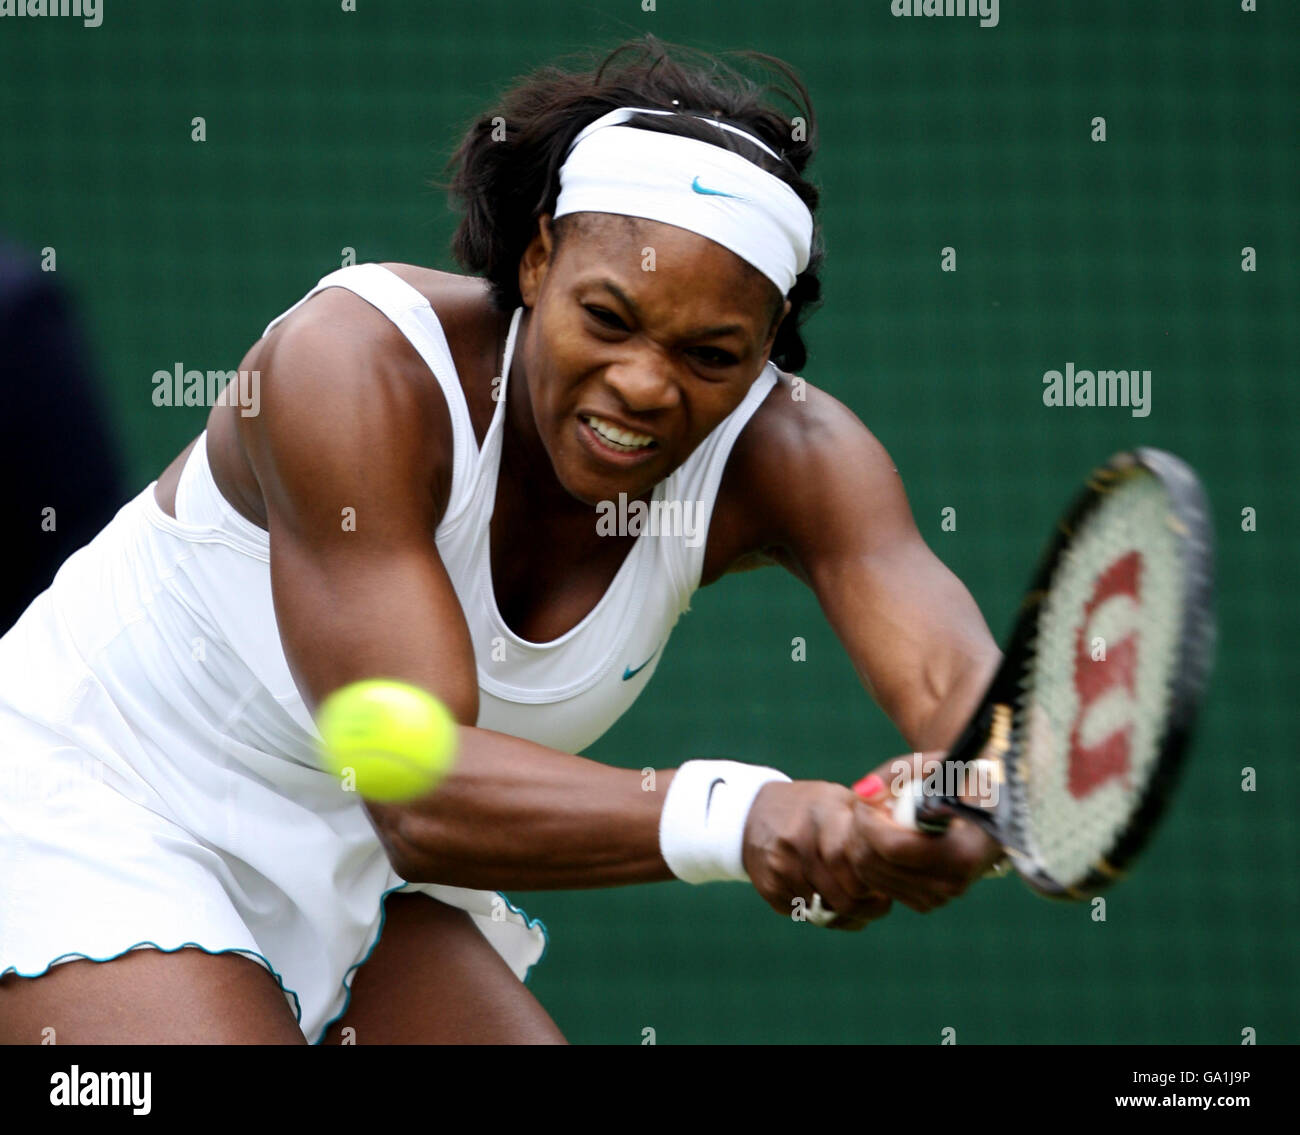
[[708, 800], [695, 184]]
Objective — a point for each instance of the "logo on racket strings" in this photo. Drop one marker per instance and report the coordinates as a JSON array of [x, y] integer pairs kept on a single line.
[[1102, 736]]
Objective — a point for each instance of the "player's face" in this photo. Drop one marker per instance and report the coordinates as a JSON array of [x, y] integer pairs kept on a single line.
[[641, 338]]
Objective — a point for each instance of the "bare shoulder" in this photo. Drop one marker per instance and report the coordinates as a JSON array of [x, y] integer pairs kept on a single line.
[[342, 385], [339, 380], [339, 347], [802, 457], [458, 300], [804, 424], [342, 320], [338, 351]]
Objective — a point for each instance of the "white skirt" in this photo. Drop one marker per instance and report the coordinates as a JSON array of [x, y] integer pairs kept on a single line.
[[154, 793]]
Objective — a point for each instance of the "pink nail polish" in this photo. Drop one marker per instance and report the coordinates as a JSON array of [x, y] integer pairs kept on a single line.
[[869, 786]]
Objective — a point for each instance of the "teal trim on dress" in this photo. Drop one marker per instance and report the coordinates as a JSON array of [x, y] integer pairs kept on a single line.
[[240, 950], [530, 923], [347, 1000]]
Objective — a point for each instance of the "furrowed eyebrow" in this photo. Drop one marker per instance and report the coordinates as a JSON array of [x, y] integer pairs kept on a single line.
[[703, 333]]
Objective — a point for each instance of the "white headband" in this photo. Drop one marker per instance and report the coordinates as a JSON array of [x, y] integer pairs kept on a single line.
[[690, 184]]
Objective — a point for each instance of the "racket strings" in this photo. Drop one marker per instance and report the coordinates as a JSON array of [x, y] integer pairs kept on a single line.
[[1096, 690]]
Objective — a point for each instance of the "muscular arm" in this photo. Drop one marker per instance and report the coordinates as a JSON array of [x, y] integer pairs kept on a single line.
[[339, 431], [350, 422], [828, 504]]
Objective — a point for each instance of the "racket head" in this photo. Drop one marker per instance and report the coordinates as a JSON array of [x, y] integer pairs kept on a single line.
[[1090, 742]]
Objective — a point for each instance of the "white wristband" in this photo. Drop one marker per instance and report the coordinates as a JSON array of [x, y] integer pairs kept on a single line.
[[702, 826]]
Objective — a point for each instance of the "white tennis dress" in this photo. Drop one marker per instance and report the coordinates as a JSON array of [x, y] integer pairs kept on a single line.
[[159, 780]]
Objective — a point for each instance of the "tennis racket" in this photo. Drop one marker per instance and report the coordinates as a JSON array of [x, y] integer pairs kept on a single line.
[[1085, 725]]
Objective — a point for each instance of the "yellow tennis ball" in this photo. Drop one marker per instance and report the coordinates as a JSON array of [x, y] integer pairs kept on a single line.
[[393, 740]]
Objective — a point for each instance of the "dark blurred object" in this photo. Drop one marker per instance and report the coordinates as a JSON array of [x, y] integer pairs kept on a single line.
[[56, 447]]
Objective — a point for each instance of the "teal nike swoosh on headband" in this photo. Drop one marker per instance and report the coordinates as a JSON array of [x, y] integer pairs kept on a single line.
[[695, 184], [629, 673]]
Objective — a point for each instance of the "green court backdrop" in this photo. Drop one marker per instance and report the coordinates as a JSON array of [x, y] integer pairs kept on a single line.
[[323, 127]]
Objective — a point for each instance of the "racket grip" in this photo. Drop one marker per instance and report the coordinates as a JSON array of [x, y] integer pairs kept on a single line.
[[910, 810], [913, 809], [904, 809]]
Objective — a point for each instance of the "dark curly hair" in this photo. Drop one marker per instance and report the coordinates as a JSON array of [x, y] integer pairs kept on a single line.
[[505, 172]]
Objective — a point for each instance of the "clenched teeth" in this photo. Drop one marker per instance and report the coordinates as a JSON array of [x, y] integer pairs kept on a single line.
[[619, 438]]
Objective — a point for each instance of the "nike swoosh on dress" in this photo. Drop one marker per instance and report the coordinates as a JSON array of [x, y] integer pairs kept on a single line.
[[629, 673]]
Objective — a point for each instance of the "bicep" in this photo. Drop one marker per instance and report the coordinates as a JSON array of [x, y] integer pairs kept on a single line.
[[346, 456]]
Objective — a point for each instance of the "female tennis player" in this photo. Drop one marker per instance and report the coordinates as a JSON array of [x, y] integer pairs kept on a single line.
[[420, 498]]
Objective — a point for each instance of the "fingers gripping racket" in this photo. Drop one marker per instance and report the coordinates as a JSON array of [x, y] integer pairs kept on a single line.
[[1086, 722]]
